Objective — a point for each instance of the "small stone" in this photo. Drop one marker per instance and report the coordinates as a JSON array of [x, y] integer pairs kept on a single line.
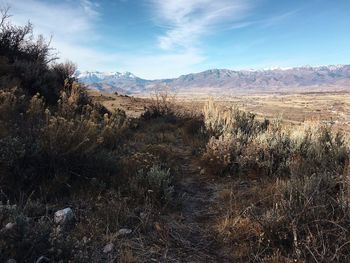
[[124, 232], [10, 226], [64, 216], [202, 172], [143, 215], [108, 248]]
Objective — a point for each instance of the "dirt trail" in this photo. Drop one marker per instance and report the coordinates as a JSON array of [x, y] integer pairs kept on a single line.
[[193, 234]]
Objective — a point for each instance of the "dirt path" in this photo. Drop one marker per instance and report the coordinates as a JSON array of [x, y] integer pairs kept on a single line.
[[191, 224]]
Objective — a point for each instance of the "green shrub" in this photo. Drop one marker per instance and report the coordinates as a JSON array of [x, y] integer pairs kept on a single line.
[[155, 185]]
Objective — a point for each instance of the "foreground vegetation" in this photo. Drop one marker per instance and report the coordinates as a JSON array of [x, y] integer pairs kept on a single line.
[[174, 185], [302, 210]]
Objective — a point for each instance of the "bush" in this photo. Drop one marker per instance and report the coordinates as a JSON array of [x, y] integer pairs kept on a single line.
[[242, 144], [161, 106], [52, 135], [310, 219], [232, 121], [154, 185]]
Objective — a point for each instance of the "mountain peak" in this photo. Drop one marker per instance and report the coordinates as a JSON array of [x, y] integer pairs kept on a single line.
[[300, 79]]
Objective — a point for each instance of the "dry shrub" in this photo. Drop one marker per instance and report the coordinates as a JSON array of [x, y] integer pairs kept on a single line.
[[242, 144], [51, 132], [63, 146], [231, 121], [26, 238], [310, 219], [218, 155], [162, 105], [193, 133]]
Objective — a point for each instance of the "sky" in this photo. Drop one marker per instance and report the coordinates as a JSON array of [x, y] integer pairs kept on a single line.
[[167, 38]]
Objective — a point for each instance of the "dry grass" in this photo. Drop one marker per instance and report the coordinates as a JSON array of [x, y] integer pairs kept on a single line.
[[304, 215]]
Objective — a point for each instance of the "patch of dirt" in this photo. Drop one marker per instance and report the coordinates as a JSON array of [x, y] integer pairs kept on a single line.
[[191, 224]]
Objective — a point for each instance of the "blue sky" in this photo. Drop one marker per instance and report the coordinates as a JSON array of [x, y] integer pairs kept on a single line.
[[167, 38]]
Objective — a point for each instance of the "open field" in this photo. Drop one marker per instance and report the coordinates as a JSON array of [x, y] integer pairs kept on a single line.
[[327, 107]]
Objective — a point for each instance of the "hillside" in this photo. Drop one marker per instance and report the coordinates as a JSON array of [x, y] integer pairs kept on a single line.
[[224, 81]]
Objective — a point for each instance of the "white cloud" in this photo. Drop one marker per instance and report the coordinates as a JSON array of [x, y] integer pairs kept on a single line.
[[63, 20], [164, 65], [187, 21], [74, 27], [71, 23], [90, 7]]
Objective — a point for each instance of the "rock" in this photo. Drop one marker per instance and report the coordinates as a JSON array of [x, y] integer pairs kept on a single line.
[[64, 216], [10, 226], [108, 248], [202, 172], [124, 232], [143, 215], [11, 260]]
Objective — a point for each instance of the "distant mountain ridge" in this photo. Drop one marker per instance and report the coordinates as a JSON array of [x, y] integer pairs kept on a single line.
[[224, 81]]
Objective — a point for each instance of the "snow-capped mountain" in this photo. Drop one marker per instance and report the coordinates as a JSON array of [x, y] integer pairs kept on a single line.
[[300, 79], [97, 76], [125, 82]]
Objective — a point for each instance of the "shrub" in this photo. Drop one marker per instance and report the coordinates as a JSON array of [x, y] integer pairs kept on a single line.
[[62, 147], [242, 144], [51, 133], [161, 106], [231, 121], [310, 219], [28, 62], [25, 239], [219, 155], [154, 185], [319, 149]]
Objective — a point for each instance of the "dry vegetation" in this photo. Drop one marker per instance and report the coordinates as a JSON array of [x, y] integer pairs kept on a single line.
[[296, 181], [155, 180]]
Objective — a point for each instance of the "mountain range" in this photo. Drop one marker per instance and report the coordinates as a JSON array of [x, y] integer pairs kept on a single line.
[[224, 81]]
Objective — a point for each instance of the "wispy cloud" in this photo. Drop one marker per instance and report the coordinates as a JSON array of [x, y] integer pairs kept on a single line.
[[182, 27], [172, 64], [186, 21], [90, 7], [71, 23], [62, 19]]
